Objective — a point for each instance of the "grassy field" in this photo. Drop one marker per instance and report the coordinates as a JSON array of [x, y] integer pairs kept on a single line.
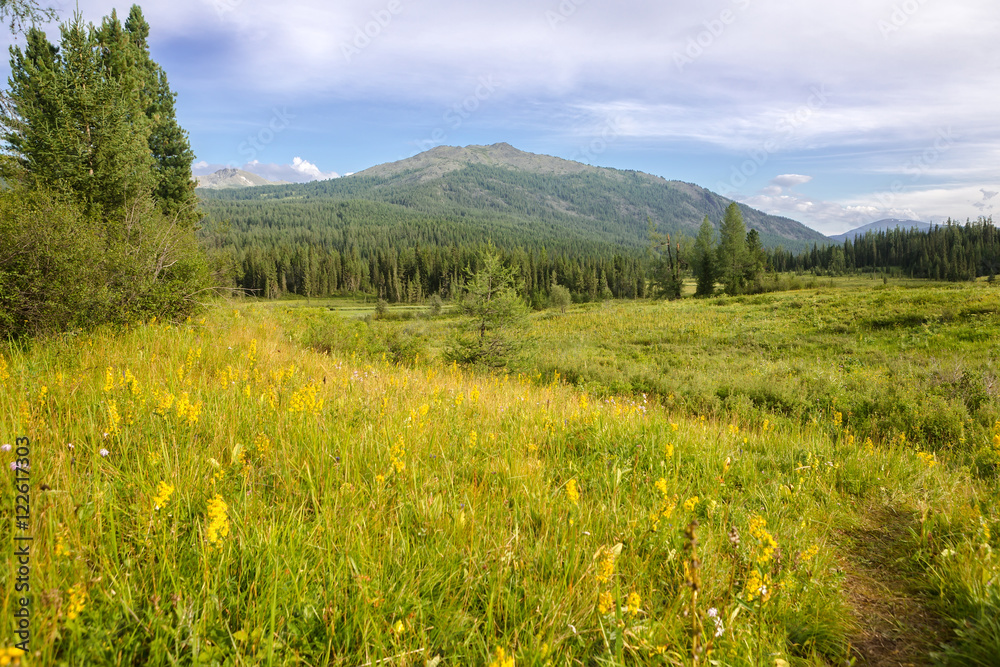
[[798, 478]]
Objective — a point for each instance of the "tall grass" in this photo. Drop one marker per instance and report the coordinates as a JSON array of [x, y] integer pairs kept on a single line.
[[339, 508]]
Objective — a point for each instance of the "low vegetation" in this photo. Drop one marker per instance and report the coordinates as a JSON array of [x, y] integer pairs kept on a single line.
[[272, 485]]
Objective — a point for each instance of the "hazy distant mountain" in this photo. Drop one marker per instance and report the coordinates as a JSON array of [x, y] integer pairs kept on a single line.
[[881, 226], [499, 191], [234, 178]]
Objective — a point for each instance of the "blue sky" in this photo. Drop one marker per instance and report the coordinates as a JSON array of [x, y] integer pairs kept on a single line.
[[834, 114]]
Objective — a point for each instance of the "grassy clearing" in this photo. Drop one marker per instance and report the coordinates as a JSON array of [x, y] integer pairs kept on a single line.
[[263, 503]]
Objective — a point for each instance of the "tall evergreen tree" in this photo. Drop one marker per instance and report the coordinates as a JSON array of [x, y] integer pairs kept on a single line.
[[168, 142], [76, 125], [705, 259], [756, 258], [733, 253]]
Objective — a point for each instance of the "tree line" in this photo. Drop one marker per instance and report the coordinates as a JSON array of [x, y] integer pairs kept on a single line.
[[950, 252], [400, 256]]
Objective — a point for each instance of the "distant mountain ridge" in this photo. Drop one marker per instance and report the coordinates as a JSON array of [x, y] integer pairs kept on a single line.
[[234, 178], [881, 226], [500, 191]]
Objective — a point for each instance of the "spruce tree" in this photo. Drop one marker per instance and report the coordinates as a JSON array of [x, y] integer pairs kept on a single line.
[[76, 125], [704, 259], [733, 253]]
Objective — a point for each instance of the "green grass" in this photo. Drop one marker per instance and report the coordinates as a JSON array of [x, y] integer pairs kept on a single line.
[[382, 506]]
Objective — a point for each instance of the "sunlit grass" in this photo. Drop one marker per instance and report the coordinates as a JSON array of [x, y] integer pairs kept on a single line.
[[263, 503]]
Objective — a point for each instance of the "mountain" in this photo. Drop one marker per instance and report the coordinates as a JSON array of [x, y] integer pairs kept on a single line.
[[881, 226], [499, 192], [234, 178]]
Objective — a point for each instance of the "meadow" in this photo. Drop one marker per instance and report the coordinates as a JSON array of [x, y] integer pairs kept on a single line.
[[796, 478]]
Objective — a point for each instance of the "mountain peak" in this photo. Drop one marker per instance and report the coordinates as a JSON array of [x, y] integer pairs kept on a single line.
[[880, 226], [230, 177], [440, 160]]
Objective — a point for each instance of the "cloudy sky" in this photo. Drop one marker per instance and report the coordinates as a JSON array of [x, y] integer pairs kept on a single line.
[[832, 113]]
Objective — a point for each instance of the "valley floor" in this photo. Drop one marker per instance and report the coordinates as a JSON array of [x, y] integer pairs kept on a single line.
[[800, 478]]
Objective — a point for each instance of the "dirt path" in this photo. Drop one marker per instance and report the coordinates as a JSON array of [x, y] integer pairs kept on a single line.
[[896, 626]]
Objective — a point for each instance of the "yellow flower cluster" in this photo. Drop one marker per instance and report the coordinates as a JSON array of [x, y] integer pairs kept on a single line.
[[927, 458], [572, 493], [606, 568], [262, 445], [633, 602], [77, 601], [306, 400], [218, 521], [667, 503], [766, 543], [132, 383], [4, 373], [502, 659], [186, 410], [12, 655], [810, 553], [757, 586], [691, 503], [396, 455], [163, 493], [114, 419], [605, 602]]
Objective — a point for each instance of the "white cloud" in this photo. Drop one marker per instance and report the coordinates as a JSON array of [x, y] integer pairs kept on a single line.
[[932, 204], [790, 180], [299, 171]]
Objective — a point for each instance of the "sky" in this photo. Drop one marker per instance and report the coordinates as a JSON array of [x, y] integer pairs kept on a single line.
[[835, 114]]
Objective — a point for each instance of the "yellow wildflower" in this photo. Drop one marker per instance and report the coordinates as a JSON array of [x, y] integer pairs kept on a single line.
[[766, 543], [927, 458], [10, 656], [502, 659], [605, 602], [691, 503], [163, 493], [572, 493], [218, 521], [633, 602], [757, 586], [77, 601], [606, 568], [114, 419]]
